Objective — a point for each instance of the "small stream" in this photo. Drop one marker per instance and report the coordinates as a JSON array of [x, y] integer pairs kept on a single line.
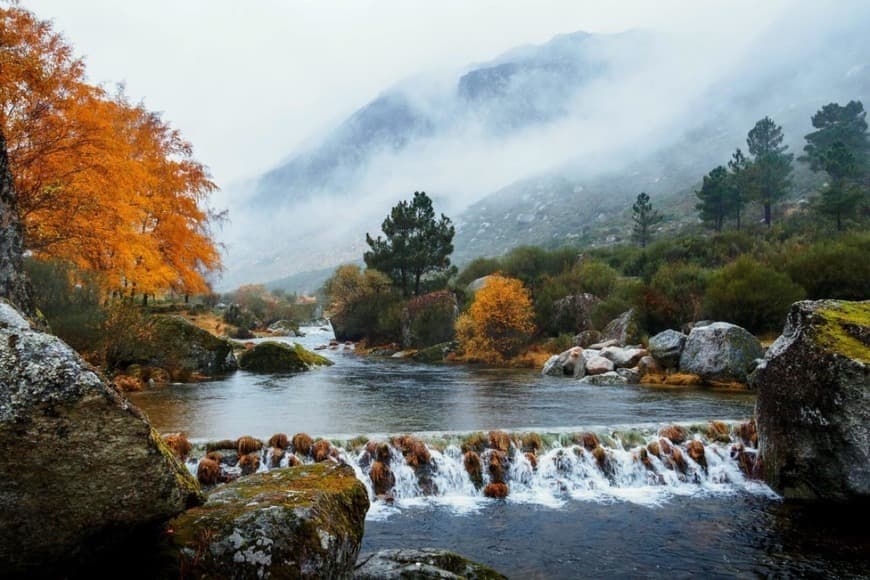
[[568, 513]]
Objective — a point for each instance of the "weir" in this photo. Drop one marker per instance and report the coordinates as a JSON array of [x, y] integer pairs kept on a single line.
[[643, 465]]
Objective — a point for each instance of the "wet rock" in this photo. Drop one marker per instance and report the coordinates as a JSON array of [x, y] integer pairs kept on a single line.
[[695, 450], [276, 454], [623, 357], [477, 284], [648, 366], [676, 434], [603, 344], [569, 363], [435, 354], [382, 478], [720, 351], [249, 463], [284, 328], [299, 522], [422, 563], [813, 408], [624, 329], [208, 472], [587, 338], [589, 440], [631, 376], [667, 347], [597, 365], [574, 313], [277, 357], [473, 466], [118, 475], [605, 379]]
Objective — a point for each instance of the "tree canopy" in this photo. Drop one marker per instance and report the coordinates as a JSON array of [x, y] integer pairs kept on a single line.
[[644, 218], [415, 244], [771, 169], [102, 183]]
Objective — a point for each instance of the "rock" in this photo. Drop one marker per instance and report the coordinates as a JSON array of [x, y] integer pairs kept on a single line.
[[435, 354], [477, 284], [587, 338], [178, 346], [623, 357], [14, 284], [284, 328], [597, 365], [624, 329], [666, 347], [720, 351], [813, 408], [648, 366], [604, 379], [295, 522], [421, 563], [631, 376], [574, 313], [603, 344], [116, 476], [277, 357], [570, 363]]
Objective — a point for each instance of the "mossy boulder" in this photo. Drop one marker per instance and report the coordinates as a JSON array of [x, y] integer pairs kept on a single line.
[[180, 347], [813, 409], [280, 357], [296, 522], [81, 468], [421, 563]]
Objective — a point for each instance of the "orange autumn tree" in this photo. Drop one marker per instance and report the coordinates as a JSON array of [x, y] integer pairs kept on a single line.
[[498, 323], [102, 183]]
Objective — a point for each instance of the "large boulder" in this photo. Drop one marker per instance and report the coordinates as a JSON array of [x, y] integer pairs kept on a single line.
[[574, 313], [423, 563], [295, 522], [178, 346], [587, 338], [623, 357], [81, 466], [813, 409], [624, 329], [667, 347], [279, 357], [720, 351], [597, 364], [570, 363]]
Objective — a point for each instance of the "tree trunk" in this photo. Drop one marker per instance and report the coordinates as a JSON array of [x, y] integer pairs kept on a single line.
[[187, 298], [145, 299], [14, 285], [767, 217], [417, 284]]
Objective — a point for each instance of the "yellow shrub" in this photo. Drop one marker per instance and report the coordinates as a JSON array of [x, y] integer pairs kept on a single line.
[[498, 323]]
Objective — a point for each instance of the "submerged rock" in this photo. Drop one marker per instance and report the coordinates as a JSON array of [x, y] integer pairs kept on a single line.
[[115, 475], [421, 563], [296, 522], [720, 351], [276, 357], [813, 409], [667, 347]]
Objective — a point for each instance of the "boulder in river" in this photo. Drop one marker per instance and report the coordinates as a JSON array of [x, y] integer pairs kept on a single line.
[[623, 357], [570, 363], [720, 351], [295, 522], [666, 347], [423, 563], [279, 357], [597, 365], [813, 409], [605, 379], [81, 467]]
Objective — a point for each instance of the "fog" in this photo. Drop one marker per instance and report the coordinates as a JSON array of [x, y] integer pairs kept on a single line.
[[260, 87]]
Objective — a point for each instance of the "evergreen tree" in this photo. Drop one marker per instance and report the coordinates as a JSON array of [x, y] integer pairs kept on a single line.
[[771, 165], [739, 173], [415, 244], [846, 125], [714, 198], [843, 195], [644, 217]]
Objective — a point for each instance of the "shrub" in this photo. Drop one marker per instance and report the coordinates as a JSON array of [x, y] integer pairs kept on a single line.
[[750, 295], [834, 269], [429, 319], [499, 321], [363, 304], [675, 295], [477, 268]]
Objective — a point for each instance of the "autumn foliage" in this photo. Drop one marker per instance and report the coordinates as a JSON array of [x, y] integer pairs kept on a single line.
[[499, 322], [101, 182]]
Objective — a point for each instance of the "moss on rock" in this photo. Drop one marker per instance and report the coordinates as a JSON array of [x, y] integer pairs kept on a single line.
[[275, 357]]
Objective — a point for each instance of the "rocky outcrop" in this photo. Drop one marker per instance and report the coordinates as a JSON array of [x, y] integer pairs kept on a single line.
[[813, 409], [81, 465], [178, 346], [624, 329], [421, 563], [13, 281], [279, 357], [720, 351], [296, 522], [667, 347], [574, 313]]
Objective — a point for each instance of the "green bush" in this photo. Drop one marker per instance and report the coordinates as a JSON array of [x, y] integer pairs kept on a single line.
[[834, 269], [751, 295], [429, 319], [477, 268], [675, 295], [363, 304]]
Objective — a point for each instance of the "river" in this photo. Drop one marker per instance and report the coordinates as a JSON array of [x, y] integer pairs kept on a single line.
[[565, 517]]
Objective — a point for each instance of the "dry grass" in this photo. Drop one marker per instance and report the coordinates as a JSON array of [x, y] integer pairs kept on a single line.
[[588, 440], [695, 450], [275, 457], [499, 440], [654, 448], [532, 459], [249, 463], [748, 433], [382, 478], [676, 433], [214, 456], [293, 461], [415, 451], [179, 444], [279, 440], [126, 383], [302, 443], [497, 463], [222, 444], [497, 490], [208, 472], [321, 450], [531, 442], [248, 444], [475, 442], [471, 461]]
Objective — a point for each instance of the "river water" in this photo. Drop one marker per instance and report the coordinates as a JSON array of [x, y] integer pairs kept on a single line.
[[567, 516]]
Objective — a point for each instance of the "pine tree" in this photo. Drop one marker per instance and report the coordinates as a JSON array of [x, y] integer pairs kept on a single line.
[[843, 195], [644, 217], [834, 123], [739, 173], [771, 165], [714, 198], [415, 243]]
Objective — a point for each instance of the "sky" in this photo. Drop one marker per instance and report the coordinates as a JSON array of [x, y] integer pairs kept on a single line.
[[249, 82]]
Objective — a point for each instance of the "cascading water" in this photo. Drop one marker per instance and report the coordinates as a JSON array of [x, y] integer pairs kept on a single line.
[[641, 466]]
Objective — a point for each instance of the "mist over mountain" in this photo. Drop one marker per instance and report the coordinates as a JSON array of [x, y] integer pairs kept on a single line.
[[545, 144]]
